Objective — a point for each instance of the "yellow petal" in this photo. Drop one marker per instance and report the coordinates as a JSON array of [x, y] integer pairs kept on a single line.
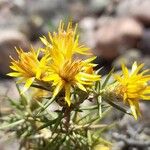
[[88, 77], [27, 84], [58, 88], [134, 109], [134, 67], [44, 41], [89, 59], [38, 73], [117, 77], [145, 97], [67, 94], [14, 74], [134, 72], [13, 68], [125, 70], [80, 86]]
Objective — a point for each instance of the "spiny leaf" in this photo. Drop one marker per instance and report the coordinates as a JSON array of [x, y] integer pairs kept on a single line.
[[117, 106], [11, 125], [107, 78], [98, 70], [49, 123], [89, 136], [23, 99], [57, 123], [43, 107], [88, 107], [98, 86], [14, 103], [99, 100]]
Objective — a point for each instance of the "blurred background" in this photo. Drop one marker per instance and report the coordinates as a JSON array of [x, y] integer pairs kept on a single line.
[[115, 31]]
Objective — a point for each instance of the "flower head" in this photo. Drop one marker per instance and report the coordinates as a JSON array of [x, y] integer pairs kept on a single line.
[[66, 72], [69, 74], [133, 86], [65, 42], [28, 67]]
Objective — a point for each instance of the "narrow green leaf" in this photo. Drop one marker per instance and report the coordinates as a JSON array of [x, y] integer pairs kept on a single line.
[[88, 107], [49, 123], [57, 123], [102, 140], [107, 78], [89, 137], [14, 103], [98, 119], [83, 118], [117, 106], [23, 99], [100, 106], [43, 107], [98, 70], [98, 86], [11, 125]]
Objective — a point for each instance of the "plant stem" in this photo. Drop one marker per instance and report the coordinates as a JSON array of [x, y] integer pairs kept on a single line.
[[67, 114]]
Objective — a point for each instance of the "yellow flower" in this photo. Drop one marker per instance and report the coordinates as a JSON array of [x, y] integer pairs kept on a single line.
[[65, 42], [28, 67], [133, 86], [67, 74]]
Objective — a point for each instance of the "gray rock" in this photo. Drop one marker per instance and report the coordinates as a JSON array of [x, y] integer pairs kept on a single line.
[[45, 7], [8, 88], [12, 14], [78, 10], [9, 143], [87, 26], [107, 38], [115, 34], [140, 9], [98, 5], [144, 44], [9, 39], [131, 32]]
